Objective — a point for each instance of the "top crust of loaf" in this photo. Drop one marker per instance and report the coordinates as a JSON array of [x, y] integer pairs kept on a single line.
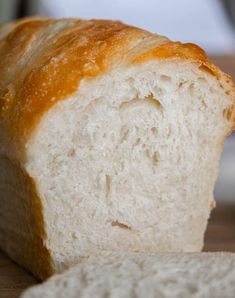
[[43, 61]]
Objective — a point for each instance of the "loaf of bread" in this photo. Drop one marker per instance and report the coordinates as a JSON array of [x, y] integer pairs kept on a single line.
[[110, 141], [195, 275]]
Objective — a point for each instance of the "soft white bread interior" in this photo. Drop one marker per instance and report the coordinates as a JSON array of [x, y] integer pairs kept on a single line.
[[129, 162], [123, 159], [144, 276]]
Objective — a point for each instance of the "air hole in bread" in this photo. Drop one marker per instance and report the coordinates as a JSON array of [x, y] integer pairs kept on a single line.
[[154, 131], [212, 90], [107, 184], [124, 134], [150, 99], [201, 80], [192, 90], [137, 142], [71, 152], [165, 78], [120, 225], [181, 84], [155, 158], [204, 104]]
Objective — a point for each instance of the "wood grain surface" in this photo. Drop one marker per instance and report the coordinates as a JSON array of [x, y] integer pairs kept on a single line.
[[220, 235]]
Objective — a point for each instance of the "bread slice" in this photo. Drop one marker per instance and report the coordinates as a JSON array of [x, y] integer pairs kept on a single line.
[[144, 276], [110, 141]]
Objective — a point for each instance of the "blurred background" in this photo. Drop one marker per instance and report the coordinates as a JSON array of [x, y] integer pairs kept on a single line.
[[209, 23]]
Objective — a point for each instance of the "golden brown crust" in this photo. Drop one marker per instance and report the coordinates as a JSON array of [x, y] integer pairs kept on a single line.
[[6, 28], [44, 60], [186, 51]]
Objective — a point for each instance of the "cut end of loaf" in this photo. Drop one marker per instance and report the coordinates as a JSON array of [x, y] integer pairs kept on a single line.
[[129, 161]]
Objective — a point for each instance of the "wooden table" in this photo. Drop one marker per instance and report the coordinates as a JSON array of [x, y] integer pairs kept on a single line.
[[220, 235]]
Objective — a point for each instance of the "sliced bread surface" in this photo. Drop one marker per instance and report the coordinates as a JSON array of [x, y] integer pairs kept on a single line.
[[192, 275]]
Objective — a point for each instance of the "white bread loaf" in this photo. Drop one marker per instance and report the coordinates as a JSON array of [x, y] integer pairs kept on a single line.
[[110, 141], [195, 275]]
